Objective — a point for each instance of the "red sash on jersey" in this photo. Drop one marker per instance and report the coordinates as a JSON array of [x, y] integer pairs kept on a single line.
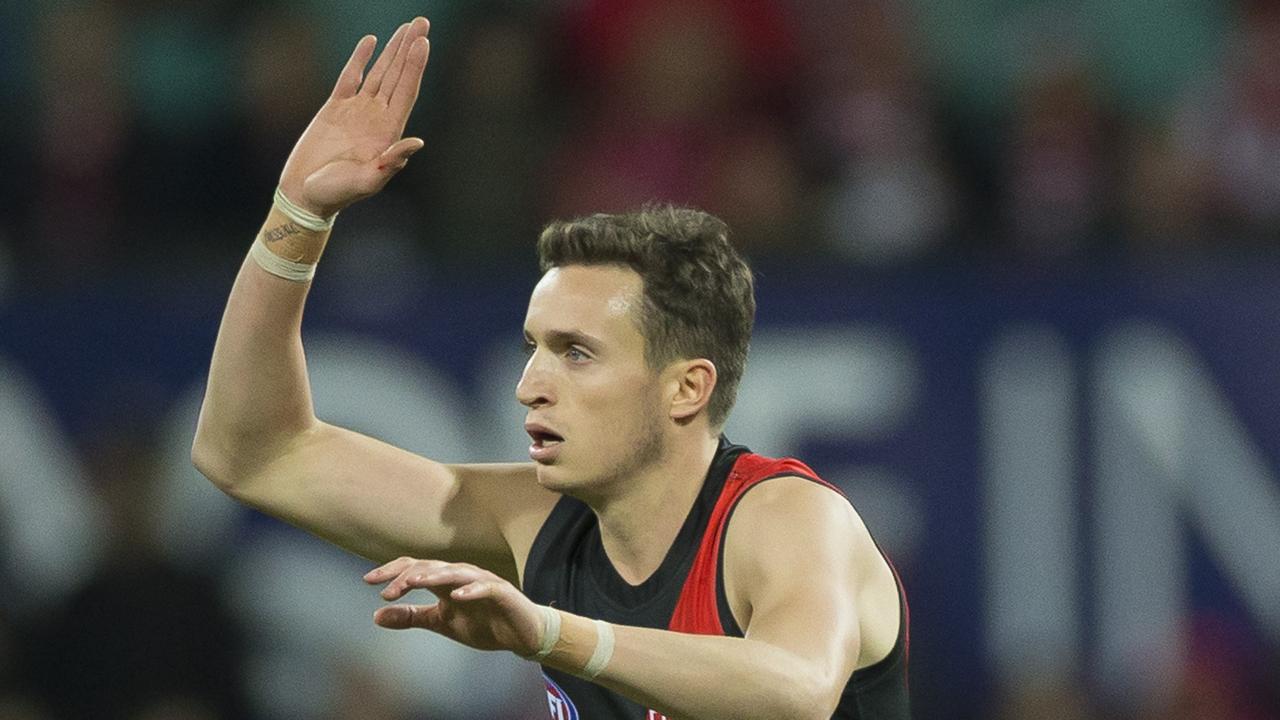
[[696, 610]]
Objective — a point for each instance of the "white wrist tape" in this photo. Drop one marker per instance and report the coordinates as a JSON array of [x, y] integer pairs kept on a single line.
[[276, 265], [305, 218], [550, 633], [603, 652]]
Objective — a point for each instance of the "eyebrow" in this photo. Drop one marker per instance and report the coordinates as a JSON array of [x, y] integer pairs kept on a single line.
[[568, 337]]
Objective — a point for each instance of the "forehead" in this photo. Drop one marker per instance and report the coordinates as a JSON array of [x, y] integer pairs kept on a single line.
[[596, 299]]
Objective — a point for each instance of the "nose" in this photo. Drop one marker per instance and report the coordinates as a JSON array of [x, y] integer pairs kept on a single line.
[[534, 388]]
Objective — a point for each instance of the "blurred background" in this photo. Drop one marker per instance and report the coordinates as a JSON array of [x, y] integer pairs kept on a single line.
[[1017, 275]]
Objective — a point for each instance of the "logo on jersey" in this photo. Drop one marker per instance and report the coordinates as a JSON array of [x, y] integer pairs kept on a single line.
[[558, 701], [655, 715]]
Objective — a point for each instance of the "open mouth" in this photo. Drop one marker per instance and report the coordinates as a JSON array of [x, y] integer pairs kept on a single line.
[[545, 438]]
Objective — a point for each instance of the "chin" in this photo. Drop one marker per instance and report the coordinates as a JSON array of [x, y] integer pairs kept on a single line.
[[557, 478], [553, 477]]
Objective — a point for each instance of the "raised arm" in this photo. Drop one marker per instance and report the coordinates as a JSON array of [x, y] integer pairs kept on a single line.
[[258, 438]]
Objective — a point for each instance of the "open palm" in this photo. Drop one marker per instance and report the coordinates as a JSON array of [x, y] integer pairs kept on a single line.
[[475, 607], [353, 146]]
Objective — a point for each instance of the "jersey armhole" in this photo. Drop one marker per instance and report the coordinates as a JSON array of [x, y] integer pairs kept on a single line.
[[728, 622], [901, 649]]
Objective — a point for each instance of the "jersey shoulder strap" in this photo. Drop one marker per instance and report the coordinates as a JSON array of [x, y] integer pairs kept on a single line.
[[700, 609]]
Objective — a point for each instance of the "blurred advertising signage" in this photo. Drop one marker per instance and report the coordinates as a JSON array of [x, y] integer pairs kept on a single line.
[[1066, 472]]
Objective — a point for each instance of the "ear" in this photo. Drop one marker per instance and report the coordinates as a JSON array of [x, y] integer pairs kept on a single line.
[[690, 383]]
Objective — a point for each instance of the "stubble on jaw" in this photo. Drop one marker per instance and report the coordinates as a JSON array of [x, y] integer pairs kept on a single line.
[[648, 447]]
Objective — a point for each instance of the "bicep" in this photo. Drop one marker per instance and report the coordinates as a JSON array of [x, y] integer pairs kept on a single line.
[[380, 501], [791, 565]]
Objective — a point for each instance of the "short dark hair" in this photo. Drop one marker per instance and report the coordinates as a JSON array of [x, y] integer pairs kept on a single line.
[[699, 296]]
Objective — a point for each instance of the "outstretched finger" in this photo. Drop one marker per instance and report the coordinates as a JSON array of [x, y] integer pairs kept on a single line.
[[373, 81], [405, 93], [438, 577], [417, 28], [440, 580], [349, 80], [388, 570]]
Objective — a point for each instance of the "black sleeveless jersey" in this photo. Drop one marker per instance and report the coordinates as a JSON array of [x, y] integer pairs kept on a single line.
[[568, 569]]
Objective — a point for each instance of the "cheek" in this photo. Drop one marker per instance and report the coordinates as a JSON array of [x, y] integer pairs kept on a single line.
[[617, 410]]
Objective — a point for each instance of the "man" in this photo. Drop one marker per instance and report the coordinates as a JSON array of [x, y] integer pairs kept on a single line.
[[655, 583]]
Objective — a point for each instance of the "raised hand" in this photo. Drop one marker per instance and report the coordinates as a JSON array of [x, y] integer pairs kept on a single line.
[[353, 146], [475, 607]]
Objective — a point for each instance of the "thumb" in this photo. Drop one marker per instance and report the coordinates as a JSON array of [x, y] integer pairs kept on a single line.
[[395, 157], [401, 617]]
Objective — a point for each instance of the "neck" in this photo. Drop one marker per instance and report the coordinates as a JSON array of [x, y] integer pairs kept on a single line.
[[640, 521]]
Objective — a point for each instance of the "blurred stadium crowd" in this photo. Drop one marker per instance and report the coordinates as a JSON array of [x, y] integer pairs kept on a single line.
[[142, 140], [871, 132]]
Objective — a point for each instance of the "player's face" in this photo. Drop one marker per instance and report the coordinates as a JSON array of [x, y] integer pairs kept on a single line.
[[595, 407]]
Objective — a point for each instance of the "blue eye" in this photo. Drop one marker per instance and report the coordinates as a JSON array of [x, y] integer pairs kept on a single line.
[[576, 355]]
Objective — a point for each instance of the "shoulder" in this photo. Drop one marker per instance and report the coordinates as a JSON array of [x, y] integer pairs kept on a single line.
[[798, 562], [790, 529], [792, 508]]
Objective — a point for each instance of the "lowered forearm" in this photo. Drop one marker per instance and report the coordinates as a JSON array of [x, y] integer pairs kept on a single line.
[[687, 677], [258, 398]]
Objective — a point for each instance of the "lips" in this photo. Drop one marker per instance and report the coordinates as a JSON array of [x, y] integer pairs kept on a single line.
[[546, 442]]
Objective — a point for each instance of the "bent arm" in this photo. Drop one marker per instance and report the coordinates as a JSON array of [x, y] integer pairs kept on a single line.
[[677, 674], [257, 401], [258, 437], [805, 599], [699, 676], [259, 440]]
